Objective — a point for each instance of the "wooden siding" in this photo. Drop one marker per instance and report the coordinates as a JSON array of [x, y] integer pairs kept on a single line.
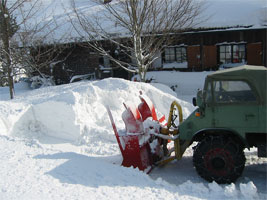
[[193, 57], [254, 54], [209, 57], [205, 44]]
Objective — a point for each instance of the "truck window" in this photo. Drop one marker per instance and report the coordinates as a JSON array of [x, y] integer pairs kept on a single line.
[[233, 91]]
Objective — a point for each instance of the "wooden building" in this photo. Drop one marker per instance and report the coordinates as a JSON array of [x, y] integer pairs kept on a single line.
[[211, 49], [196, 50]]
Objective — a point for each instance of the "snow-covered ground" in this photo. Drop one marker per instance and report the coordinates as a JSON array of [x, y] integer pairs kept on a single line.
[[57, 143]]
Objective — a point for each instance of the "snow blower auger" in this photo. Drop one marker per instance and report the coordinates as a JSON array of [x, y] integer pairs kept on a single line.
[[144, 142]]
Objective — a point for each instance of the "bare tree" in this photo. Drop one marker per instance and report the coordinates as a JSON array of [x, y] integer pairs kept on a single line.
[[8, 28], [27, 41], [138, 28], [37, 57], [13, 13]]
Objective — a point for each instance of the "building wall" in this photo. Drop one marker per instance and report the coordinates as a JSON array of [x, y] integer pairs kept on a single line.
[[202, 57], [206, 44], [202, 53]]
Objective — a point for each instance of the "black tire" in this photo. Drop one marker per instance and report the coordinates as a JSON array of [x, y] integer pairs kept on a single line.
[[219, 159]]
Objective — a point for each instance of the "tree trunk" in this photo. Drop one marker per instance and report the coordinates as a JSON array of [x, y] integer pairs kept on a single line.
[[5, 39], [8, 66], [10, 79]]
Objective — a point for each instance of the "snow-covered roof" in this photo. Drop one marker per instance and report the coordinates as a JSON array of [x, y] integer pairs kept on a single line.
[[225, 13], [248, 14]]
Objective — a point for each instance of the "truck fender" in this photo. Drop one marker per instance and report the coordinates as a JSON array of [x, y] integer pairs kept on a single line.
[[199, 135]]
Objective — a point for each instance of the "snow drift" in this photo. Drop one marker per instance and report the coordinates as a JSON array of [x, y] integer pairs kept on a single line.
[[77, 113]]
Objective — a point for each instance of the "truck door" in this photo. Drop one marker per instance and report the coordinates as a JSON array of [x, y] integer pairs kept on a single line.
[[236, 105]]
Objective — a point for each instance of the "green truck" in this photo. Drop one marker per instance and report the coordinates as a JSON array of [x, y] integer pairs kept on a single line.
[[230, 116]]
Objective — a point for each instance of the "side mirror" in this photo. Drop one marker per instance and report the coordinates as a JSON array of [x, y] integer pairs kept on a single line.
[[194, 101]]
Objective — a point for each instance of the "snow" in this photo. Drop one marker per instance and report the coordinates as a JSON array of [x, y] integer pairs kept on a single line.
[[230, 65], [57, 143], [82, 77], [225, 13], [217, 13], [175, 65], [184, 84], [248, 190]]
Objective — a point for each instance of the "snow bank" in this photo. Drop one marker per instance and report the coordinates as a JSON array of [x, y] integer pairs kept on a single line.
[[249, 190], [76, 112], [20, 88]]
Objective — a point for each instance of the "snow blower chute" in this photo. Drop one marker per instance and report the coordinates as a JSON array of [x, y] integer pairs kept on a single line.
[[143, 143]]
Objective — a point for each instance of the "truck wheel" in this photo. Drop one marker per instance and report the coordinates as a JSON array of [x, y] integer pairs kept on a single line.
[[219, 159]]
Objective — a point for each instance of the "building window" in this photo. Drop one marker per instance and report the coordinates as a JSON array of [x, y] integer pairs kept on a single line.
[[232, 53], [170, 54], [225, 54], [181, 54], [175, 54], [239, 53]]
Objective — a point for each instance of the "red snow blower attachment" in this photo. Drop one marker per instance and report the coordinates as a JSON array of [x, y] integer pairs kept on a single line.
[[134, 152], [139, 143]]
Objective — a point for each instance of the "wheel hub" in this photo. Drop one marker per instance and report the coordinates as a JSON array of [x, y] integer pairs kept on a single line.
[[218, 161]]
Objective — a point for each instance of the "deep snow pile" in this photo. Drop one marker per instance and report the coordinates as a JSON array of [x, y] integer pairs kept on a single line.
[[77, 112], [57, 143]]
